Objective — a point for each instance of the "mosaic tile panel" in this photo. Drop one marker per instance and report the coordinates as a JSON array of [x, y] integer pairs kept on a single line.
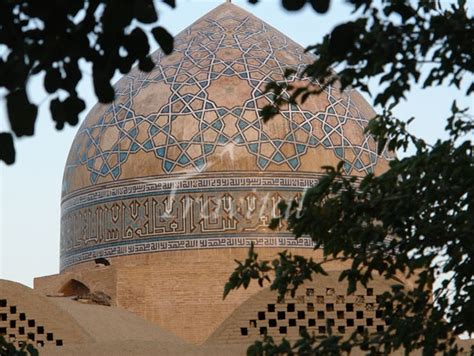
[[208, 95], [181, 160], [173, 214]]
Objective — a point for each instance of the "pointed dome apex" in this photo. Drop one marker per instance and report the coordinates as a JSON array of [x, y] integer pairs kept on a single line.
[[196, 116]]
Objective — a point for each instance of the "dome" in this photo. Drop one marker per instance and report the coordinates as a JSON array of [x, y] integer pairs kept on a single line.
[[181, 161]]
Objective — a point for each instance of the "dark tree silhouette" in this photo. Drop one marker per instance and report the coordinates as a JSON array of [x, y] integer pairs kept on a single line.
[[51, 38], [424, 201]]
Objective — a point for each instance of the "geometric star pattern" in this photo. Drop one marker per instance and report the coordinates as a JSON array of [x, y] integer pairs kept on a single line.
[[208, 95]]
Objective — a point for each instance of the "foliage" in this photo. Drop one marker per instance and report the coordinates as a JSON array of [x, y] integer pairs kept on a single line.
[[415, 220], [55, 39], [8, 349]]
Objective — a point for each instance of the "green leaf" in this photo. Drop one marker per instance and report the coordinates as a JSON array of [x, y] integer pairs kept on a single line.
[[21, 113], [146, 64], [52, 80], [145, 11], [293, 5], [320, 6], [164, 39], [7, 149]]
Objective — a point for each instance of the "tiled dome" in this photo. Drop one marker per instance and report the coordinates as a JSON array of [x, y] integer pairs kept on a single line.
[[191, 128]]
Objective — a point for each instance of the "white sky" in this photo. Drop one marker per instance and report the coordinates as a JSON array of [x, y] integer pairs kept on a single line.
[[30, 190]]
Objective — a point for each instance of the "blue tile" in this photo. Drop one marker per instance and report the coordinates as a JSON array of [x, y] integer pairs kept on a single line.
[[294, 162], [262, 162], [148, 145], [347, 167], [153, 130], [160, 152], [300, 148], [278, 157], [208, 148], [104, 169], [373, 157], [253, 147], [116, 172], [199, 114], [168, 166], [94, 177], [200, 163], [134, 147], [183, 159], [217, 124], [238, 139], [133, 132], [237, 111], [242, 124]]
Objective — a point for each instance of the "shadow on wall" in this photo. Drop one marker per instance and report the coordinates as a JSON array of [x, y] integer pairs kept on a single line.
[[74, 288]]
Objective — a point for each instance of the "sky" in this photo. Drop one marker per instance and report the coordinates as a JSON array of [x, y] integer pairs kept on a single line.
[[30, 190]]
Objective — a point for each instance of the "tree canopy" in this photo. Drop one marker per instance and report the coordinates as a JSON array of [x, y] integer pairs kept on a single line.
[[416, 219], [55, 40]]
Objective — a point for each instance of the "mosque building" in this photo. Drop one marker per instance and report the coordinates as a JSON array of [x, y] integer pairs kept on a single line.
[[171, 183]]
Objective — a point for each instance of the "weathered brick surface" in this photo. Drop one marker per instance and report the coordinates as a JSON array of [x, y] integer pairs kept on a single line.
[[181, 291], [27, 316]]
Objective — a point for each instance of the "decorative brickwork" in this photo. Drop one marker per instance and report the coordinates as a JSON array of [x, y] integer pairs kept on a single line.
[[316, 307], [19, 328], [316, 311]]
